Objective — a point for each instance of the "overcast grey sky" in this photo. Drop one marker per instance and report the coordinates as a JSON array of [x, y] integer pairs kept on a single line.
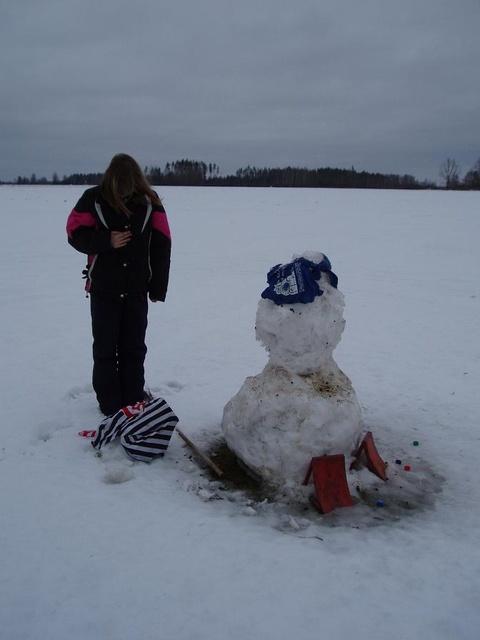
[[383, 85]]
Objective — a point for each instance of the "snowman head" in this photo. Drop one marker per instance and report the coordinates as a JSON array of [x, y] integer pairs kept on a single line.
[[300, 336]]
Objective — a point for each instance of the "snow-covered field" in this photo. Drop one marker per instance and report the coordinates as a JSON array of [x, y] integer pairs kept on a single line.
[[86, 558]]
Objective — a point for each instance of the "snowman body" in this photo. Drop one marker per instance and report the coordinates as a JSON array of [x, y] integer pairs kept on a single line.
[[301, 405]]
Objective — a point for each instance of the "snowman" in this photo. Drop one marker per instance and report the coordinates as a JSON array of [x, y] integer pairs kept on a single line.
[[301, 405]]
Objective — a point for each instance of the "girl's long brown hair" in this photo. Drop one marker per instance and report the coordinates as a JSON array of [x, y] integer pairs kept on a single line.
[[124, 180]]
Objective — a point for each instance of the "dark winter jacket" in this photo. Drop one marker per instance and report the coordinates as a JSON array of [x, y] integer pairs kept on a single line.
[[141, 266]]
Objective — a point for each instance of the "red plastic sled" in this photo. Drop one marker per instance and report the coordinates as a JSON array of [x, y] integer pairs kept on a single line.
[[330, 482], [374, 462]]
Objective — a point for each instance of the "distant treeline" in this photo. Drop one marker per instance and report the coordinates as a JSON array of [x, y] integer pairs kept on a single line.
[[191, 173], [194, 173]]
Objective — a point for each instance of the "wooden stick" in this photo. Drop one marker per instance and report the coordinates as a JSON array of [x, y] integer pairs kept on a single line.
[[199, 453]]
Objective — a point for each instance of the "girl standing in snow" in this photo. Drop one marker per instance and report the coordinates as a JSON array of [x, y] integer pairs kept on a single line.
[[123, 228]]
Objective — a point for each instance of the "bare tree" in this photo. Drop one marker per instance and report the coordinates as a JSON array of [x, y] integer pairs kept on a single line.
[[450, 173]]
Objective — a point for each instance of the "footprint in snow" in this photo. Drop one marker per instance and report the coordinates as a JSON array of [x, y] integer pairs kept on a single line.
[[172, 385], [118, 474], [78, 391]]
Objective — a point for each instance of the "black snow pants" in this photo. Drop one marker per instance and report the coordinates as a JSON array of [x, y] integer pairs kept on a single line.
[[119, 325]]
